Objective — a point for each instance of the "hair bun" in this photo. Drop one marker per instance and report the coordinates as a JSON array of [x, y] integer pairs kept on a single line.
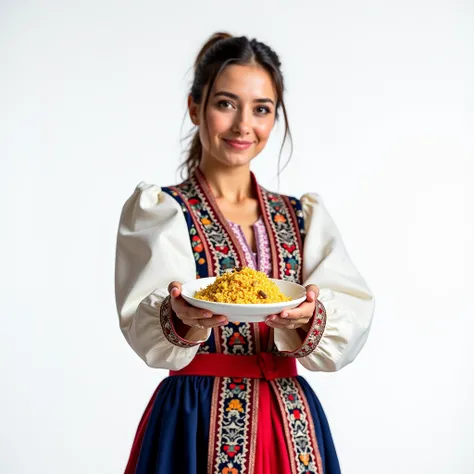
[[215, 38]]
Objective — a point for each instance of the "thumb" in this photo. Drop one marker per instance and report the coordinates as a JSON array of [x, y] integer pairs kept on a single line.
[[174, 289], [313, 292]]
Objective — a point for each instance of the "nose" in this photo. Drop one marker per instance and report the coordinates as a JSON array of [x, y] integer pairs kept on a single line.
[[242, 123]]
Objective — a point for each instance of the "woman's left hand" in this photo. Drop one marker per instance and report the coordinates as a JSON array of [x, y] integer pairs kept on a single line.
[[297, 317]]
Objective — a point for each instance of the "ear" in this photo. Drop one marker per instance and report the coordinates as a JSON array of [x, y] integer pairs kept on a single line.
[[193, 110]]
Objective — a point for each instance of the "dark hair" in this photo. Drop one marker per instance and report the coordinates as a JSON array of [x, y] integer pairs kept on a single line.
[[218, 52]]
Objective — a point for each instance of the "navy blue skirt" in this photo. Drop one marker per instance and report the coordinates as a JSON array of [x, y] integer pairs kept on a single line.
[[176, 430]]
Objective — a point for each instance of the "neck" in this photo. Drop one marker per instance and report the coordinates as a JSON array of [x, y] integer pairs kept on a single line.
[[231, 184]]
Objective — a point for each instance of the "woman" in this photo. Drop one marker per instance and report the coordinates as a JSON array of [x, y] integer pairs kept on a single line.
[[233, 402]]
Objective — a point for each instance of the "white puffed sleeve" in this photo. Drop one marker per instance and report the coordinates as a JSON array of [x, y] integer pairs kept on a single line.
[[345, 306], [346, 301], [153, 249]]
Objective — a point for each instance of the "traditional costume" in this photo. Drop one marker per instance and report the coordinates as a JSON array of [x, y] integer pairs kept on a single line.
[[233, 402]]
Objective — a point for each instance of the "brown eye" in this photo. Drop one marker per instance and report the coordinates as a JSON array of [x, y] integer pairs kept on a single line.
[[263, 110], [225, 104]]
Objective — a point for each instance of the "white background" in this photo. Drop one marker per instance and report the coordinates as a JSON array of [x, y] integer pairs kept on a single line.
[[381, 103]]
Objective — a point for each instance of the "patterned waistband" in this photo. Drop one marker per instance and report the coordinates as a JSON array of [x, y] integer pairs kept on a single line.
[[263, 365]]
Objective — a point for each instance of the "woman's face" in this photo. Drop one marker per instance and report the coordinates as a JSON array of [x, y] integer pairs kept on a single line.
[[239, 118]]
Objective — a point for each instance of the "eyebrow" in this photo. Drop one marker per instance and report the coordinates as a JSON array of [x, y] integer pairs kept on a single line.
[[263, 100]]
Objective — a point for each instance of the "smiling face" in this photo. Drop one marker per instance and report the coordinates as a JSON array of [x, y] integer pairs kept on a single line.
[[239, 117]]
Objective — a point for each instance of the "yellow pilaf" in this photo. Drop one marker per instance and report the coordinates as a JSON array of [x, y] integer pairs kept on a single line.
[[242, 286]]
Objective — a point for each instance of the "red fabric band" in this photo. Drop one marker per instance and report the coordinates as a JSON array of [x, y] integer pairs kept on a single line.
[[263, 365]]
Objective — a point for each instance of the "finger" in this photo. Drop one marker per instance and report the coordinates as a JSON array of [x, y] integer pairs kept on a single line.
[[278, 325], [186, 311], [215, 321], [271, 318], [192, 323], [304, 310], [312, 293], [274, 318], [194, 314], [275, 324], [179, 305], [282, 324], [174, 289], [289, 322]]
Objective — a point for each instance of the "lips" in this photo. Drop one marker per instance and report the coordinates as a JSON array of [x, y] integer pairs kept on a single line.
[[238, 144]]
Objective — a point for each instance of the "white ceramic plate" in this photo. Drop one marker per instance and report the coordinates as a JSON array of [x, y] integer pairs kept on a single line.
[[244, 313]]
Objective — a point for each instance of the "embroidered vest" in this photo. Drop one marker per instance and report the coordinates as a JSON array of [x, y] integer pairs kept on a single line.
[[217, 250]]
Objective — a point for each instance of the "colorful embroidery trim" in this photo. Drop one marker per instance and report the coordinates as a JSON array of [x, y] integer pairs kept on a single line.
[[201, 252], [300, 434], [233, 426], [314, 335], [210, 231], [168, 328], [286, 244]]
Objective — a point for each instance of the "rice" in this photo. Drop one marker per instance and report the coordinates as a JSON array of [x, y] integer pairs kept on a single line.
[[242, 286]]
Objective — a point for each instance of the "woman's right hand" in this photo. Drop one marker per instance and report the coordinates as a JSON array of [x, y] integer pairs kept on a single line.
[[189, 315]]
